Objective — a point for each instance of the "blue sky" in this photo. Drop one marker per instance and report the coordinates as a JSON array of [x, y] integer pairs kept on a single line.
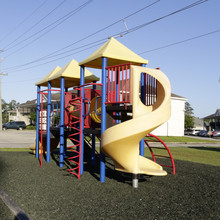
[[192, 66]]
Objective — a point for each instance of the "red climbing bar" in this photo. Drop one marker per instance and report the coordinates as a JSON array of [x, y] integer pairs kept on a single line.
[[156, 139]]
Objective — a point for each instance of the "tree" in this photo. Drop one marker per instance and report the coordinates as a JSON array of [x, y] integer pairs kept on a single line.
[[189, 121], [13, 105], [4, 111], [33, 118]]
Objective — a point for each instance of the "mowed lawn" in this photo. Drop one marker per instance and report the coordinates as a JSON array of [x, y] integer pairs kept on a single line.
[[204, 155]]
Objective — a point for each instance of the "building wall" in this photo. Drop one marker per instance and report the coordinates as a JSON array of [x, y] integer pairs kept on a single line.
[[175, 125], [19, 117]]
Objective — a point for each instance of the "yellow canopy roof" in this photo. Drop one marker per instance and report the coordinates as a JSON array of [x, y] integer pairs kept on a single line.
[[43, 82], [116, 53], [71, 73]]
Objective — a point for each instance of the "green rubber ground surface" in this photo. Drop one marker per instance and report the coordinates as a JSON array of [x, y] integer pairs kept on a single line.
[[49, 192], [5, 213]]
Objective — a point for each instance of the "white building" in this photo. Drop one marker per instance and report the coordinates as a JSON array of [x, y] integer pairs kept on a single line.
[[175, 125]]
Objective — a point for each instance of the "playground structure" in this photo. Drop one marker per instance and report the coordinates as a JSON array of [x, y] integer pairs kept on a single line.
[[130, 102]]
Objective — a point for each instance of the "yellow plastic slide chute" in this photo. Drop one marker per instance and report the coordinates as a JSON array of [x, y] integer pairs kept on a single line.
[[95, 109], [121, 142]]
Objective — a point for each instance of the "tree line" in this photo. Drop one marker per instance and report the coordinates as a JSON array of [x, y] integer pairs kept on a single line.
[[12, 105], [189, 120]]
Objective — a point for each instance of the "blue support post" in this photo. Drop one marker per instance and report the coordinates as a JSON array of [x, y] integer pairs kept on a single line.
[[103, 117], [48, 121], [37, 122], [82, 95], [62, 86], [93, 140], [143, 99]]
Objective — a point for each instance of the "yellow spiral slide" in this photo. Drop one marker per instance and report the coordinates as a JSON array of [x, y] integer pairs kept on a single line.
[[121, 142]]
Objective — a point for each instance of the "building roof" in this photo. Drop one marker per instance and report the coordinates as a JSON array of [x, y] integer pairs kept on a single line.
[[213, 116], [116, 53], [210, 116], [177, 96]]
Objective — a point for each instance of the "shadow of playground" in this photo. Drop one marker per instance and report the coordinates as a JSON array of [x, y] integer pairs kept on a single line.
[[206, 148]]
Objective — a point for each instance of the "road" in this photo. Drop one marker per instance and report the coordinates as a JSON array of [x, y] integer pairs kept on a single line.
[[17, 139]]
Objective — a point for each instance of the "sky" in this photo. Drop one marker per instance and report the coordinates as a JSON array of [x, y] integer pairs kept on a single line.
[[185, 45]]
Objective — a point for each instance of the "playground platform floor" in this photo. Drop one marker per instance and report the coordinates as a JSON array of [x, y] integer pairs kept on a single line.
[[49, 192]]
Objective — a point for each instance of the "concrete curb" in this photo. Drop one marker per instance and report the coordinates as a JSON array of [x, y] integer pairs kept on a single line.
[[14, 208]]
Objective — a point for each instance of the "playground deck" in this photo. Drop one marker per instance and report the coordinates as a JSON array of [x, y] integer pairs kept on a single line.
[[49, 192]]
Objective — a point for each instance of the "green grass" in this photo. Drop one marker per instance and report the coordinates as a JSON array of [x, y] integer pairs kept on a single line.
[[15, 149], [184, 139], [31, 127], [204, 155]]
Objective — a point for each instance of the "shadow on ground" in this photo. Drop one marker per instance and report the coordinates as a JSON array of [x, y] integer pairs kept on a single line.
[[206, 148]]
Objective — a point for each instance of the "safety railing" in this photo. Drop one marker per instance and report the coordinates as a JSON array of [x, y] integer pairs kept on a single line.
[[149, 87], [118, 84]]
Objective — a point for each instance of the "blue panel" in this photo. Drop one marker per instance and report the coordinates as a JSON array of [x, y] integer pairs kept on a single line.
[[37, 122], [48, 120], [93, 141], [143, 99], [103, 117], [62, 100]]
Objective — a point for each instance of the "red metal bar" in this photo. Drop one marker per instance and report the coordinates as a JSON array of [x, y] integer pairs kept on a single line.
[[112, 85], [129, 84], [147, 89], [151, 88], [108, 82], [154, 155], [41, 137], [126, 83], [115, 83], [119, 84], [122, 83], [77, 132]]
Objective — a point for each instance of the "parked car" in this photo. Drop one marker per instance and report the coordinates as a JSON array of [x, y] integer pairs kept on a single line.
[[191, 132], [188, 132], [19, 125], [212, 133], [216, 134], [203, 133]]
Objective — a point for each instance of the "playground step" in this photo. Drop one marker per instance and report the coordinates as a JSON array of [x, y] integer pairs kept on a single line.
[[120, 112], [120, 108], [92, 131]]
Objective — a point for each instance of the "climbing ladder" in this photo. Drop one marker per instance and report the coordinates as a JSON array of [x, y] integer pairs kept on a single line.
[[150, 138], [76, 127]]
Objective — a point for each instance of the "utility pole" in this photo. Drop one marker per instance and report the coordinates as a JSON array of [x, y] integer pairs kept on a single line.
[[1, 74]]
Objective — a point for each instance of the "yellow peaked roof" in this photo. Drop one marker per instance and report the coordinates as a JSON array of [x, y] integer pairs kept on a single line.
[[71, 73], [43, 82], [116, 53]]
